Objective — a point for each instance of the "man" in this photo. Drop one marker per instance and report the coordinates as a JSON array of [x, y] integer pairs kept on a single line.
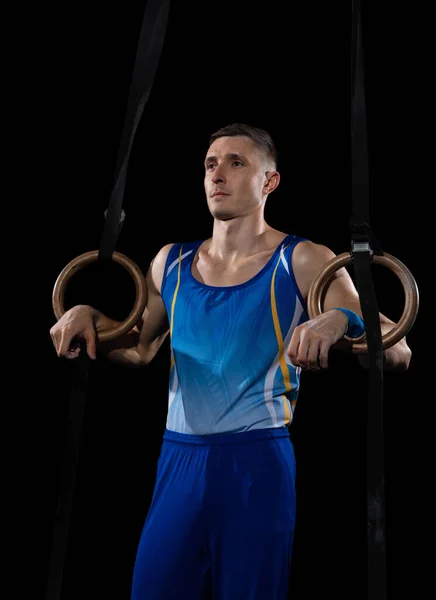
[[223, 510]]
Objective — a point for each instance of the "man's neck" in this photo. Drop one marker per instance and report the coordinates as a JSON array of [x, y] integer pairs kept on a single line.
[[238, 238]]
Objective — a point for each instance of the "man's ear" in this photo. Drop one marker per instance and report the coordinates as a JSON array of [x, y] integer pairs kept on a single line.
[[272, 181]]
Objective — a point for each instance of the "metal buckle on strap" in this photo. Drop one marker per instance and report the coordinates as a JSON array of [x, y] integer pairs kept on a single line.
[[361, 247]]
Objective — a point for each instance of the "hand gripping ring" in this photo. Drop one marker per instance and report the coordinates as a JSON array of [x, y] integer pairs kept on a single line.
[[82, 261], [398, 268]]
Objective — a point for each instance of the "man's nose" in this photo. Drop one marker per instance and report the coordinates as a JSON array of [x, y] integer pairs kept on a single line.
[[218, 175]]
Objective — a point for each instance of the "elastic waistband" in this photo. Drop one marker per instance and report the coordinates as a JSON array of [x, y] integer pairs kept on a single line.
[[254, 435]]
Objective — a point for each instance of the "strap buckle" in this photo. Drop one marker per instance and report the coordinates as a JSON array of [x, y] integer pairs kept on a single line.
[[363, 238], [361, 247]]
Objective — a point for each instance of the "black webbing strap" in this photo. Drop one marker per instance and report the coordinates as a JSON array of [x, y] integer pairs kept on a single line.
[[149, 49], [363, 246], [147, 57]]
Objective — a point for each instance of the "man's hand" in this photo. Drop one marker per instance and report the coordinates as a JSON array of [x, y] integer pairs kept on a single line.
[[311, 341], [75, 323]]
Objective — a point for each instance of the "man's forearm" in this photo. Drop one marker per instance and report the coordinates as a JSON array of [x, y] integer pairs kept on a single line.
[[122, 350], [395, 358]]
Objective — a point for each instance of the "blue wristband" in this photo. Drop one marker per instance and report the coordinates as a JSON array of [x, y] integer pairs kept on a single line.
[[356, 326]]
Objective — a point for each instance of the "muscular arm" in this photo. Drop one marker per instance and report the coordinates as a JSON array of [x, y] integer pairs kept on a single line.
[[308, 259], [140, 345]]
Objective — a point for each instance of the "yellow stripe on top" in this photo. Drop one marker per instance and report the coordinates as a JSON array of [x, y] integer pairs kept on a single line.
[[279, 336], [173, 304]]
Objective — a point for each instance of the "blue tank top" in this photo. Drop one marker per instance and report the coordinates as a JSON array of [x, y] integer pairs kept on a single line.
[[229, 369]]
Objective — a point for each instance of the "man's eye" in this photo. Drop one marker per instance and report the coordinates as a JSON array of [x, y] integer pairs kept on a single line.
[[237, 162], [209, 166]]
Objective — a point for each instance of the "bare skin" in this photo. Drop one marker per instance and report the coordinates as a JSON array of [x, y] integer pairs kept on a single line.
[[238, 180]]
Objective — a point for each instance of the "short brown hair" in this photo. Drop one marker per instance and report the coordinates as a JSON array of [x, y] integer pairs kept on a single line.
[[259, 136]]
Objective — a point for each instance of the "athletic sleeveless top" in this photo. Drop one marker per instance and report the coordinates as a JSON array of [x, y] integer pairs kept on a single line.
[[229, 369]]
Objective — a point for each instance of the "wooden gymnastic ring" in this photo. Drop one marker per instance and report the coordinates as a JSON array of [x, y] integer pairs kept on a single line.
[[398, 268], [82, 261]]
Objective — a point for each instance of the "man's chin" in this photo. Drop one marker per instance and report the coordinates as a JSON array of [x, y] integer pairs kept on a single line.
[[222, 215]]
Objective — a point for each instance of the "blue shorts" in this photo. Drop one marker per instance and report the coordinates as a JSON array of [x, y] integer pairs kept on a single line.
[[221, 521]]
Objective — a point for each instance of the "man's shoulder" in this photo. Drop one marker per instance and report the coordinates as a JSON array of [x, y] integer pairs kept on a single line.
[[162, 255], [307, 260], [308, 251]]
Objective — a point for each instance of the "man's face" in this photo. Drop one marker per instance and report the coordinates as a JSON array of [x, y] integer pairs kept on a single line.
[[235, 176]]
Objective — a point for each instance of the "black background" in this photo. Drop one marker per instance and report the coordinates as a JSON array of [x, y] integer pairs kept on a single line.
[[284, 68]]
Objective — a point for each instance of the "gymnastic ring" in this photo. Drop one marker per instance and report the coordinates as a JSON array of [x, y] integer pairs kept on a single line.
[[398, 268], [82, 261]]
